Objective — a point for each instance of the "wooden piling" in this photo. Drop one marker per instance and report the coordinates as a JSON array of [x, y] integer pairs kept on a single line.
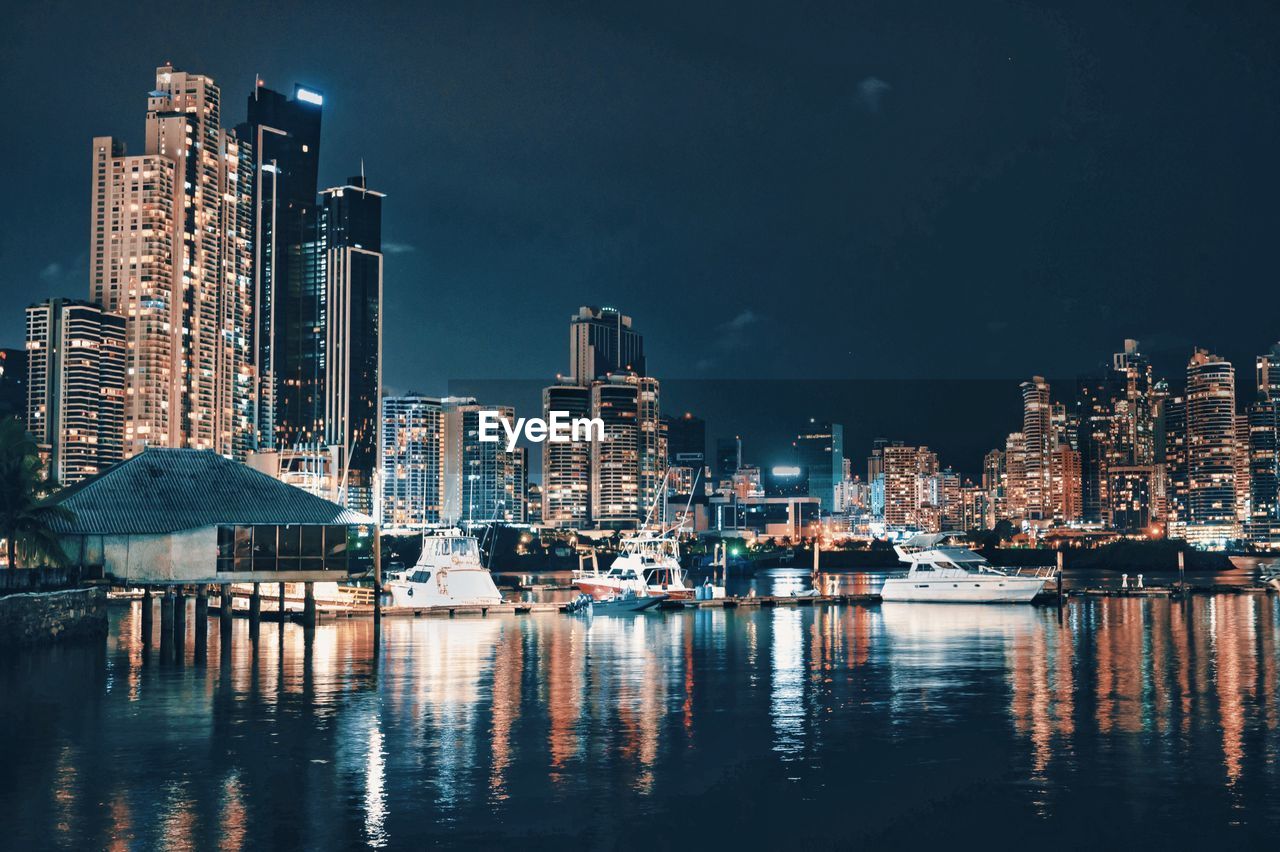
[[309, 605], [202, 623], [224, 609], [148, 615], [179, 623], [166, 623], [280, 607], [255, 610], [1182, 572], [1060, 562]]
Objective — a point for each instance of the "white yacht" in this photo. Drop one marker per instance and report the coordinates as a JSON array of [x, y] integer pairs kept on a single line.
[[647, 563], [448, 573], [947, 573]]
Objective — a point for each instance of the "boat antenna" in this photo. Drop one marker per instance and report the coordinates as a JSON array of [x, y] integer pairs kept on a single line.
[[662, 488]]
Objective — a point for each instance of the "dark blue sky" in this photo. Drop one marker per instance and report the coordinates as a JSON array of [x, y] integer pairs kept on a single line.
[[896, 189]]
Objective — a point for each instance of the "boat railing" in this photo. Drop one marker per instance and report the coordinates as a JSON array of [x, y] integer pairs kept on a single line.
[[1037, 572]]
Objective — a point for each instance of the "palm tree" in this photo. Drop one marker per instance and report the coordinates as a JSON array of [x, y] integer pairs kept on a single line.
[[25, 517]]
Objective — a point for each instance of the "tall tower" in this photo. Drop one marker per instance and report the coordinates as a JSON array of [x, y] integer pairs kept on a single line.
[[351, 233], [566, 466], [283, 136], [628, 466], [1211, 440], [412, 480], [75, 387], [602, 341], [820, 449], [171, 249], [1037, 433]]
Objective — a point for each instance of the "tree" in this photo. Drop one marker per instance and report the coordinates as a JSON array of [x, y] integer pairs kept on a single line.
[[26, 518]]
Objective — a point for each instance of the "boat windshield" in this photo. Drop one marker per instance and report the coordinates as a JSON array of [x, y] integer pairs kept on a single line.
[[462, 547]]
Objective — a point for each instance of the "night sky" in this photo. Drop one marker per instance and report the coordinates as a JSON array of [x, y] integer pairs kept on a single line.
[[843, 190]]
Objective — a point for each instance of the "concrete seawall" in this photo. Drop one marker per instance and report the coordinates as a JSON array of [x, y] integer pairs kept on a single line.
[[37, 618]]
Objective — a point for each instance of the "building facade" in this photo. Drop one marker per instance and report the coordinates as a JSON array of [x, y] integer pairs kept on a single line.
[[412, 462], [602, 341], [76, 387], [1211, 440]]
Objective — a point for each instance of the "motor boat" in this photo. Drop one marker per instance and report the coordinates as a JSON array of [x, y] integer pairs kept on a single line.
[[647, 564], [940, 572], [448, 573], [585, 604]]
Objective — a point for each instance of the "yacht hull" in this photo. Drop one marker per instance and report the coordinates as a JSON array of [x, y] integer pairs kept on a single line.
[[962, 589]]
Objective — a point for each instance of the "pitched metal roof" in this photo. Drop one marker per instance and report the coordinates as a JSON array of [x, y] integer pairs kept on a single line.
[[166, 490]]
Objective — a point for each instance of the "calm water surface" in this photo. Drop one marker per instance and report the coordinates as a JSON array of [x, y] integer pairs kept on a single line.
[[1142, 720]]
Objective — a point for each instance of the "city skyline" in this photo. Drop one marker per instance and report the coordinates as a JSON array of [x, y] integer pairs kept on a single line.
[[536, 191]]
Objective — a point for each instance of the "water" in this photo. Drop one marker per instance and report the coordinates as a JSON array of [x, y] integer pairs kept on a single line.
[[905, 725]]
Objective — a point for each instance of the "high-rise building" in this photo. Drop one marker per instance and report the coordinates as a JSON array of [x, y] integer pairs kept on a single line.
[[566, 466], [1065, 484], [351, 233], [282, 136], [75, 387], [1211, 457], [627, 467], [1268, 373], [171, 250], [1015, 459], [820, 450], [912, 496], [482, 480], [602, 341], [994, 483], [686, 441], [728, 456], [412, 465], [875, 461], [1173, 428], [1037, 435]]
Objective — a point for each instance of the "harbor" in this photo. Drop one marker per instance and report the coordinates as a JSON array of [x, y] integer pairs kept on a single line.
[[482, 730]]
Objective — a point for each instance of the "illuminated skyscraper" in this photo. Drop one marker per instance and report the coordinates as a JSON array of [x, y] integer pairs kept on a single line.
[[351, 235], [602, 341], [75, 387], [412, 479], [283, 136], [1262, 526], [482, 480], [566, 466], [1211, 439], [627, 467], [171, 249], [1037, 435], [820, 450]]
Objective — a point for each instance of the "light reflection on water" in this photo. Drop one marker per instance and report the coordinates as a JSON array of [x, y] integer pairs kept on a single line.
[[1016, 722]]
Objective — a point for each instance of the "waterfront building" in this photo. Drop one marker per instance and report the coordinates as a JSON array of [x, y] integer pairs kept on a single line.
[[728, 456], [75, 387], [1211, 457], [748, 482], [1132, 439], [1173, 426], [316, 468], [686, 441], [951, 513], [171, 250], [282, 137], [602, 341], [1262, 524], [177, 516], [1037, 436], [482, 480], [911, 498], [820, 451], [1065, 485], [977, 508], [566, 466], [13, 383], [787, 481], [533, 504], [995, 482], [1095, 397], [351, 233], [412, 462], [1132, 490], [792, 517], [627, 467], [875, 461], [1240, 465], [1015, 455]]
